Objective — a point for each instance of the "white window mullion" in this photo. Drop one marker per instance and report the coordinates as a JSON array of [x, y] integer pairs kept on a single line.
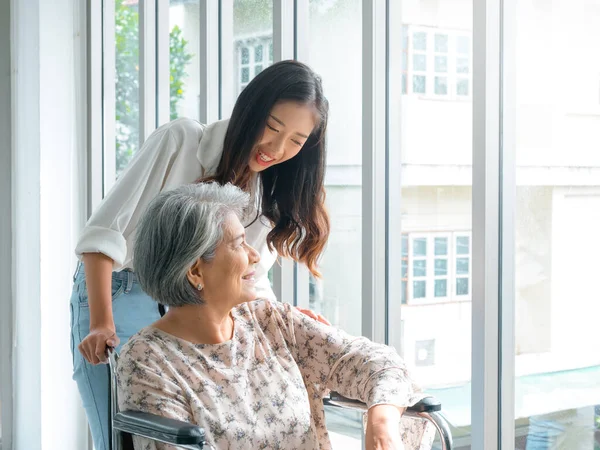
[[228, 76], [486, 232], [209, 61], [109, 151], [147, 17], [163, 66], [374, 140], [95, 100]]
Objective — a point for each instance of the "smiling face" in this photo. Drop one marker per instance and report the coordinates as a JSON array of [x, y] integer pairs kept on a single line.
[[288, 126], [229, 277]]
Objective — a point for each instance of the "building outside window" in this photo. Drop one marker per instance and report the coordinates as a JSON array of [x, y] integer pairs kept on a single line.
[[254, 54]]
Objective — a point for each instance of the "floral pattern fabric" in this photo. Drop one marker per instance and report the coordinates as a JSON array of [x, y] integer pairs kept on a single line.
[[263, 389]]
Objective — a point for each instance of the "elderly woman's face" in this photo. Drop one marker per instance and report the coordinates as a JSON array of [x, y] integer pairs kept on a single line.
[[230, 275]]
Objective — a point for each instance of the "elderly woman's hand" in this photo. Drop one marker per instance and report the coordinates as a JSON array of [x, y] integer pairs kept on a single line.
[[383, 428], [313, 315]]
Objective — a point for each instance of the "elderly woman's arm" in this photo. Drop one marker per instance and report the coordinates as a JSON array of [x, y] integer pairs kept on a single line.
[[356, 368], [143, 385]]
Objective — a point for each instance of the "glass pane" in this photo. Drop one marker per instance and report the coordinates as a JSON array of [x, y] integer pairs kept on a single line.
[[420, 247], [420, 268], [463, 45], [419, 62], [127, 83], [441, 43], [404, 245], [557, 361], [462, 65], [441, 64], [462, 286], [441, 246], [335, 46], [420, 40], [258, 53], [441, 288], [441, 85], [462, 88], [419, 289], [184, 50], [419, 84], [252, 32], [462, 245], [434, 198], [462, 266], [441, 267]]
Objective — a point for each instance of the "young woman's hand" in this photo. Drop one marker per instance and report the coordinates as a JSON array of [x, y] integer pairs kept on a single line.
[[383, 428], [93, 347], [312, 315]]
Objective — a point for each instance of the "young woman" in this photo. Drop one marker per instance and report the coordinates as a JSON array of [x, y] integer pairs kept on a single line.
[[272, 147]]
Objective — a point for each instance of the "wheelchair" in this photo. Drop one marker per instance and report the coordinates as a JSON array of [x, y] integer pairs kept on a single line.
[[126, 424]]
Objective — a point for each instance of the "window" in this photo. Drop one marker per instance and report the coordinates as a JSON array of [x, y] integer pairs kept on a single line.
[[252, 40], [436, 267], [436, 63], [253, 55]]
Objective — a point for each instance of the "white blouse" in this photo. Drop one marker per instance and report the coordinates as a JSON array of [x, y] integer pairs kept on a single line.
[[177, 153]]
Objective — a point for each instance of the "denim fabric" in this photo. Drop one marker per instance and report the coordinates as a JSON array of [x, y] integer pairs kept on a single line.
[[132, 310]]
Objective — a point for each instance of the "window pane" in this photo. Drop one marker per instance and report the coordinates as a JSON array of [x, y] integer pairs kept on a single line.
[[441, 246], [462, 65], [420, 268], [419, 289], [441, 43], [420, 247], [462, 266], [335, 53], [441, 288], [462, 286], [441, 267], [441, 85], [420, 40], [436, 197], [184, 50], [258, 53], [252, 32], [463, 45], [419, 62], [462, 88], [441, 64], [557, 361], [419, 84], [127, 83], [462, 245]]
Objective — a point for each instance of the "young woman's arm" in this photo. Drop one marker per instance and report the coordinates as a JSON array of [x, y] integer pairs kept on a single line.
[[167, 158], [98, 272]]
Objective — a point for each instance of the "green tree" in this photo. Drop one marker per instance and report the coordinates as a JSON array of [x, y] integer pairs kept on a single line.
[[127, 79]]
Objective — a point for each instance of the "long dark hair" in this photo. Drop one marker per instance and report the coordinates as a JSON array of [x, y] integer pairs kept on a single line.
[[293, 192]]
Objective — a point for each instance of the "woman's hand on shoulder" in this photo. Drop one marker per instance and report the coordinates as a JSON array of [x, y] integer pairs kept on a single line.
[[383, 428], [313, 315]]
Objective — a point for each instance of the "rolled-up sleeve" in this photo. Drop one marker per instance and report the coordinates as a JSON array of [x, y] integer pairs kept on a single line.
[[115, 217]]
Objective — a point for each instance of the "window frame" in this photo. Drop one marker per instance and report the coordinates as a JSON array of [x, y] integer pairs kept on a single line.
[[491, 87]]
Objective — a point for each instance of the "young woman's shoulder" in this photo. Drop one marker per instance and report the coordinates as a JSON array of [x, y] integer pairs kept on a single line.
[[184, 129]]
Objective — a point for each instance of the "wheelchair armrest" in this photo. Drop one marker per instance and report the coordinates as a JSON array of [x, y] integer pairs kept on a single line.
[[426, 405], [159, 428]]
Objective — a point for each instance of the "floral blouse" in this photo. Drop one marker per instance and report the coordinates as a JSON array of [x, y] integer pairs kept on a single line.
[[263, 389]]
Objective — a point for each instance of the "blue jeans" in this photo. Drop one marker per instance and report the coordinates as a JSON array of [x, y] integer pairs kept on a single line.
[[132, 310]]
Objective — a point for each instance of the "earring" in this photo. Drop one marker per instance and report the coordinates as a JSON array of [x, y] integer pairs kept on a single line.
[[199, 287]]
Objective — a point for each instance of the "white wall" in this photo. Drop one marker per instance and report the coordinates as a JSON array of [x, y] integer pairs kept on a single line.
[[49, 138]]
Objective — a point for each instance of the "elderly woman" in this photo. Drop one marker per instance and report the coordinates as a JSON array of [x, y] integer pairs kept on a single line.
[[251, 372]]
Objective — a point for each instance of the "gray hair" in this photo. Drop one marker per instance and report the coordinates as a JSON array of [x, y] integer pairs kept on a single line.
[[179, 227]]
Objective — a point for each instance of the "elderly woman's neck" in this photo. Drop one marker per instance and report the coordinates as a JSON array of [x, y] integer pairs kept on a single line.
[[198, 324]]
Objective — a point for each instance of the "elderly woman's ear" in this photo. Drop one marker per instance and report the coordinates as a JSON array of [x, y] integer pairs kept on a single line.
[[194, 275]]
